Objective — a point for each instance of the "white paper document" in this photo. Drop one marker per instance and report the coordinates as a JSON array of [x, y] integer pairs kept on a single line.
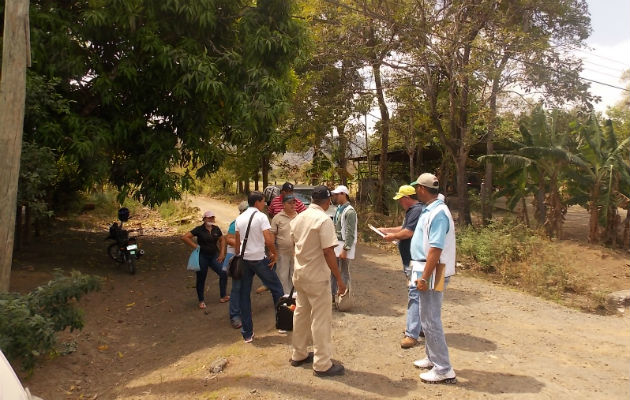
[[381, 234]]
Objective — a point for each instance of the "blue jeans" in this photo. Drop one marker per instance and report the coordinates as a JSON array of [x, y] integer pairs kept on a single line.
[[344, 270], [269, 279], [413, 327], [235, 292], [431, 319], [206, 262]]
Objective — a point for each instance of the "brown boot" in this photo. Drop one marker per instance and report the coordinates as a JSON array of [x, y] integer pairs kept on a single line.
[[408, 342]]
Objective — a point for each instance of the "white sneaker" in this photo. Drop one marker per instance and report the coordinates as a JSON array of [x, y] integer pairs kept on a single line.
[[281, 331], [425, 363], [433, 377]]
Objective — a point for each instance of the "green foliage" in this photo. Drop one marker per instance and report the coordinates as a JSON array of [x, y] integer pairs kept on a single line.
[[38, 175], [128, 92], [552, 280], [30, 321], [493, 247]]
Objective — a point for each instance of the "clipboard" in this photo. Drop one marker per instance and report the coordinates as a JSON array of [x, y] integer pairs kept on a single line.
[[435, 281]]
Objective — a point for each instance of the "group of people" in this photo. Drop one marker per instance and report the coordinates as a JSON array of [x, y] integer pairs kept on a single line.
[[298, 249]]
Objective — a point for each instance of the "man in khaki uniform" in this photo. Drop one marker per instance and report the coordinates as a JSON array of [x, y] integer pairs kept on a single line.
[[280, 226], [315, 239]]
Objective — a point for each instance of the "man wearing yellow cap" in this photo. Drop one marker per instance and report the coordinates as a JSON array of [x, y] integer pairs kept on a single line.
[[406, 197]]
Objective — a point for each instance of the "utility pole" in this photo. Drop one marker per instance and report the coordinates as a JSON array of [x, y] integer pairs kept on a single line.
[[16, 57]]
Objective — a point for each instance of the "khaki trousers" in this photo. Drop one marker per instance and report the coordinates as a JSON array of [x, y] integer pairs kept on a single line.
[[312, 323]]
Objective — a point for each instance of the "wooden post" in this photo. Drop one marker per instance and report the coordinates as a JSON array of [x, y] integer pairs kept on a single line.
[[15, 59]]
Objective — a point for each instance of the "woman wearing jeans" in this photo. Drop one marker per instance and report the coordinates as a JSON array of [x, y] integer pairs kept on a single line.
[[211, 241]]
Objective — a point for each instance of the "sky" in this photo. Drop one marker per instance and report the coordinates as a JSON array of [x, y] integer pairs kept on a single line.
[[609, 53]]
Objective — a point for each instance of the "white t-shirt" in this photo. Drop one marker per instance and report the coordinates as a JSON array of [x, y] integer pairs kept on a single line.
[[255, 249]]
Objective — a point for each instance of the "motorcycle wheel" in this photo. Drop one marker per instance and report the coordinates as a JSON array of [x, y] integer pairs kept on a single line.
[[114, 252], [131, 260]]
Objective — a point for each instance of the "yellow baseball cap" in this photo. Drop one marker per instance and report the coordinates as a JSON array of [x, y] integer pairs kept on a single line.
[[405, 190]]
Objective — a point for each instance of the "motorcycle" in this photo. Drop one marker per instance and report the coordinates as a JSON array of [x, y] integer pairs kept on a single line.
[[125, 249]]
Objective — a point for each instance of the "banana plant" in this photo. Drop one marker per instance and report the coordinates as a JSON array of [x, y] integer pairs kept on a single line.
[[536, 167], [601, 181]]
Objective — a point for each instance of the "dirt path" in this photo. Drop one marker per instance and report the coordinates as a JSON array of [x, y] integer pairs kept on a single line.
[[145, 338]]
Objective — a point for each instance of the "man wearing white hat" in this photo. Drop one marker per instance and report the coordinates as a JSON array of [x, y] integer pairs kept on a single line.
[[433, 245], [346, 228]]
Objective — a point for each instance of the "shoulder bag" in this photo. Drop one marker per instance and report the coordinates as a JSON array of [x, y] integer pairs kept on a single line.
[[235, 269]]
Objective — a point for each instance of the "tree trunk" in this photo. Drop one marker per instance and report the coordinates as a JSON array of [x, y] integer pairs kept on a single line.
[[525, 213], [540, 211], [342, 159], [379, 204], [486, 187], [593, 222], [463, 205], [15, 59], [625, 241], [411, 155], [265, 171]]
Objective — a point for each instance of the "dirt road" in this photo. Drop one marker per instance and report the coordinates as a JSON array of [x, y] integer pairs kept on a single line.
[[145, 338]]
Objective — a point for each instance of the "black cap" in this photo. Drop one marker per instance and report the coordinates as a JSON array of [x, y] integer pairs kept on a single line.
[[321, 192], [287, 187]]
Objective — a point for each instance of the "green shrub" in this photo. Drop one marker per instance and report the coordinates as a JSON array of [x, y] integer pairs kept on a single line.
[[28, 322], [490, 248]]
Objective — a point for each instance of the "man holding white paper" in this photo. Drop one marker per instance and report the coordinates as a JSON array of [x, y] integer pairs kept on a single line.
[[406, 197], [433, 249]]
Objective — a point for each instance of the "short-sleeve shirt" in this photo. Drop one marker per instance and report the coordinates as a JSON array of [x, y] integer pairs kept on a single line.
[[207, 240], [411, 220], [281, 227], [437, 232], [276, 206], [231, 231], [312, 232], [255, 249]]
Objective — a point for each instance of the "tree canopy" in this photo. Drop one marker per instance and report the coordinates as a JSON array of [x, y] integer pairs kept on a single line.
[[130, 91]]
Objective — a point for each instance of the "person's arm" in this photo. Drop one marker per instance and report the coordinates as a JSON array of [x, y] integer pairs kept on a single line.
[[222, 247], [270, 243], [393, 229], [237, 243], [351, 233], [433, 258], [437, 234], [331, 260], [402, 234], [230, 240], [188, 239]]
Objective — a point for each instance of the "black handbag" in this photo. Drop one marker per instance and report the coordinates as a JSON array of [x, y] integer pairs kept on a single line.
[[235, 267], [284, 312]]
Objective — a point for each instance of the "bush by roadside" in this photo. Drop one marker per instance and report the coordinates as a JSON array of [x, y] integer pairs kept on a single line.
[[30, 321], [512, 254]]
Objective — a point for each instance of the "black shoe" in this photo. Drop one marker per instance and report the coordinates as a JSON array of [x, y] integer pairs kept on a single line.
[[334, 370], [307, 360]]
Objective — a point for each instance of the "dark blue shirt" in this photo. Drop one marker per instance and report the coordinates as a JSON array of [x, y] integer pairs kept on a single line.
[[411, 220]]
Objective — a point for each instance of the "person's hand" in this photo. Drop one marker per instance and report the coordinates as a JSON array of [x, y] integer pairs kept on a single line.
[[422, 284], [272, 260], [220, 258], [390, 237], [343, 255], [341, 287]]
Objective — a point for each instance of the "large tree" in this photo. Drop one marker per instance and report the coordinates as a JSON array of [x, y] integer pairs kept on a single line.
[[465, 53], [152, 84]]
